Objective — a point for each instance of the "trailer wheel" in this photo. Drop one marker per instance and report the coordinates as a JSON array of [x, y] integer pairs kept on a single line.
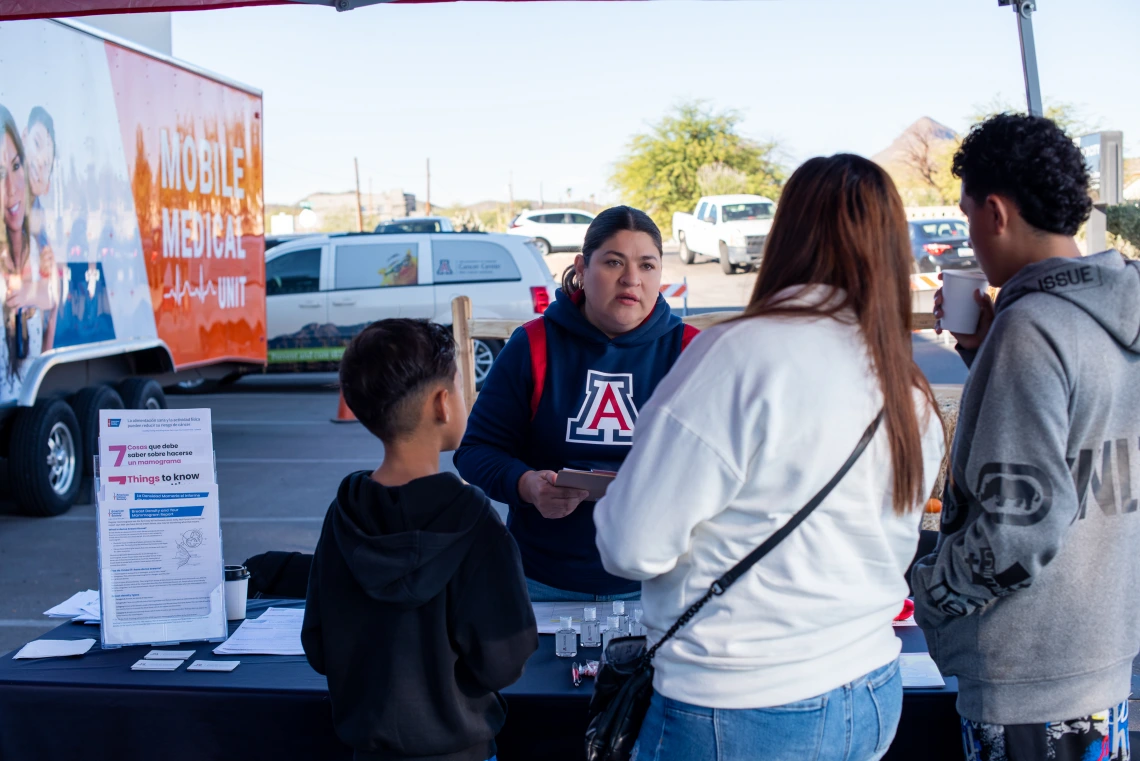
[[86, 404], [142, 394], [44, 458]]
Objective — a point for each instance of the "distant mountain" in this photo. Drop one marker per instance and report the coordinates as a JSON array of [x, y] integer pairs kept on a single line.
[[924, 129]]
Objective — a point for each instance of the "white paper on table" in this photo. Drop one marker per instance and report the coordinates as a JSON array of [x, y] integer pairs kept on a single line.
[[169, 655], [160, 565], [73, 606], [145, 665], [54, 648], [276, 632], [213, 665], [88, 613], [919, 670], [548, 615]]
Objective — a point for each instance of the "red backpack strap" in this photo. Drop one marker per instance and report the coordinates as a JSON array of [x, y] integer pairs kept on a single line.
[[536, 336], [687, 336]]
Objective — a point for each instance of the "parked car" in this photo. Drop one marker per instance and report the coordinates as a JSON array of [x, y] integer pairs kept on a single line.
[[322, 290], [941, 244], [553, 229], [277, 240], [731, 228], [416, 225]]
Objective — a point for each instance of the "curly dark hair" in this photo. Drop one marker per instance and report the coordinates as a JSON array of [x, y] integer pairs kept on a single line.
[[1032, 161], [387, 369]]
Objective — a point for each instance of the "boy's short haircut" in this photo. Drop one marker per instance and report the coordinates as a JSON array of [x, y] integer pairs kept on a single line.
[[387, 368], [1031, 160]]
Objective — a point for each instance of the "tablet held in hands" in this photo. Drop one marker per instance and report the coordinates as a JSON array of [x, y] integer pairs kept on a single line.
[[594, 481]]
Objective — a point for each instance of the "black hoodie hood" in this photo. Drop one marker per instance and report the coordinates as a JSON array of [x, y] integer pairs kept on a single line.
[[417, 612], [403, 544]]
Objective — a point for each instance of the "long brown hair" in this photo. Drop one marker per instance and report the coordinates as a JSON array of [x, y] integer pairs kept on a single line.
[[841, 223]]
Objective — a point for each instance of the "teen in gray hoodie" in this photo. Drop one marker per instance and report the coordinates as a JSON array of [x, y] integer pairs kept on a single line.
[[1031, 596]]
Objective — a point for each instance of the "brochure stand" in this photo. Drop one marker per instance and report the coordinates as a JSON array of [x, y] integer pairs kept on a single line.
[[161, 578]]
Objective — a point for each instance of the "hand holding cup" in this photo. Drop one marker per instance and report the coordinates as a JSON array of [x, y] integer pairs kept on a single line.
[[964, 308]]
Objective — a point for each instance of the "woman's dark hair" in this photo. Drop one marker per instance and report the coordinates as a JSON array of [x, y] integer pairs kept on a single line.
[[1032, 161], [39, 115], [605, 226], [388, 367], [841, 223]]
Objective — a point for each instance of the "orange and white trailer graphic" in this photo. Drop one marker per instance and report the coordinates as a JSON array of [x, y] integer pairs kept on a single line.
[[132, 205]]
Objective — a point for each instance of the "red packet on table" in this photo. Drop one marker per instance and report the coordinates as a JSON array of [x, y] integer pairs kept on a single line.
[[594, 481], [907, 610]]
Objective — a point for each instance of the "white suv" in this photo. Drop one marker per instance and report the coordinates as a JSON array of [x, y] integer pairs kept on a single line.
[[553, 229], [321, 290]]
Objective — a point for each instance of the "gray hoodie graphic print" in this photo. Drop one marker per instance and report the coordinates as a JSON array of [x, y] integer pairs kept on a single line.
[[1031, 596]]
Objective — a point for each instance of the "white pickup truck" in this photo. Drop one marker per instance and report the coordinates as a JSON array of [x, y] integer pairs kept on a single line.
[[732, 229]]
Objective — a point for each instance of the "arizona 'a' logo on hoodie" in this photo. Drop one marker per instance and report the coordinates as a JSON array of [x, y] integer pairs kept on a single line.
[[608, 413]]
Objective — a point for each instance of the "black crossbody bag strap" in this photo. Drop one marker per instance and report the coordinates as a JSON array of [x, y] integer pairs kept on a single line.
[[724, 582]]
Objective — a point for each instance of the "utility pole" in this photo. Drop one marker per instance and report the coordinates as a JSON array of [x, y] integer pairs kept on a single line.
[[356, 164], [541, 203], [1024, 10], [511, 195], [371, 205], [427, 202]]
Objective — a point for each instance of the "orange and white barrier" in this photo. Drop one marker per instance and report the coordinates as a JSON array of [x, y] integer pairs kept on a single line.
[[922, 288], [677, 291], [925, 282]]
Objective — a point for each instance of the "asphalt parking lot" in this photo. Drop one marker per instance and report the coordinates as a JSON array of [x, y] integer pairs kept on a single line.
[[279, 461]]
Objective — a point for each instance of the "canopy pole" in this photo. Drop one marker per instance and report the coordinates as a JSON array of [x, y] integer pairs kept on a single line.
[[1025, 10]]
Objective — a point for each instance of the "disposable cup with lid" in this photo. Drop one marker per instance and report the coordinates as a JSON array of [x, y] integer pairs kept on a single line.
[[960, 312]]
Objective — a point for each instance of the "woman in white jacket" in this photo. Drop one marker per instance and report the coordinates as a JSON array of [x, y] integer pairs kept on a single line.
[[798, 659]]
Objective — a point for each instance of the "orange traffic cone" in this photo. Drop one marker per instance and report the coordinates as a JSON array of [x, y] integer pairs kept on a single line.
[[343, 413]]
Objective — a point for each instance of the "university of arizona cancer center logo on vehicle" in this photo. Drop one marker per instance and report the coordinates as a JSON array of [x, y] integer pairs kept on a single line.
[[608, 413]]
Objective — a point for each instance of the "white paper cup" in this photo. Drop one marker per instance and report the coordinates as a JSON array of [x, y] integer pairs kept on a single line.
[[960, 312], [237, 587]]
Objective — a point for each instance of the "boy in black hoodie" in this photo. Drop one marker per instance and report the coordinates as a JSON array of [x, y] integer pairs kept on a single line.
[[417, 609]]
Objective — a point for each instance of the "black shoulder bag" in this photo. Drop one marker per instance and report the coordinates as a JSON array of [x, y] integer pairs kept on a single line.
[[625, 682]]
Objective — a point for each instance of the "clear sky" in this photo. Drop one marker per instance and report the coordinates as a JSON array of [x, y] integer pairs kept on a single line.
[[551, 92]]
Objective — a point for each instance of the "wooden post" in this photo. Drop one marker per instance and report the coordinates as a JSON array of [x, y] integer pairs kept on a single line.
[[465, 352]]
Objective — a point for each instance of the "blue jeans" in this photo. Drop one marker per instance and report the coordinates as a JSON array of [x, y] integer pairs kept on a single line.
[[855, 722], [540, 592]]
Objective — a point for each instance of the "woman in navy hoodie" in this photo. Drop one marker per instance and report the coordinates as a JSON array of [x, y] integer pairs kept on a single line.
[[564, 393]]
